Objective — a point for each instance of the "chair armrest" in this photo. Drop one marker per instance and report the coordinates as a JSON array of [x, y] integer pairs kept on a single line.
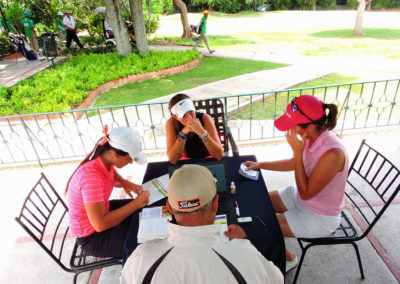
[[229, 137]]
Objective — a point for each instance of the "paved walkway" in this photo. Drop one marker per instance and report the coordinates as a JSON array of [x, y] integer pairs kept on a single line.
[[22, 260]]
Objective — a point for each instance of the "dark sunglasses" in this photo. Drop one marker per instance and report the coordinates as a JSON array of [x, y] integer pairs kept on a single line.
[[295, 108]]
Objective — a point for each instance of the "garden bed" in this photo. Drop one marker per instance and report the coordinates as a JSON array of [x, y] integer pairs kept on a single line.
[[79, 81]]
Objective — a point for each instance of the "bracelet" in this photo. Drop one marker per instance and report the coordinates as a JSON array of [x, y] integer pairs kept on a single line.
[[204, 135], [182, 136]]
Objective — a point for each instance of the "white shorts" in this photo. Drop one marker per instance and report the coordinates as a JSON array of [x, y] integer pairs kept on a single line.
[[303, 222]]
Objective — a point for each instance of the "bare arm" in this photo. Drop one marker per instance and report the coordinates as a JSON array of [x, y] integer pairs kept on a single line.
[[213, 144], [281, 165], [127, 185], [175, 145], [331, 162], [101, 220]]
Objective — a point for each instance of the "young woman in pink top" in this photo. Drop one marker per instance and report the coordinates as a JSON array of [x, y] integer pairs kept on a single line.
[[311, 208], [101, 225]]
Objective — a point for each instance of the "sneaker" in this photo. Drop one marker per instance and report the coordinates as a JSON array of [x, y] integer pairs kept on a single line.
[[291, 264], [212, 51]]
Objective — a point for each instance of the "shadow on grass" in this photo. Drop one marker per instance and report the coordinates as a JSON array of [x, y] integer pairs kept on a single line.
[[376, 33]]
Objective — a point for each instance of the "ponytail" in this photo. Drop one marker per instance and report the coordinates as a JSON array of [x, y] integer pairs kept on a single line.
[[331, 117]]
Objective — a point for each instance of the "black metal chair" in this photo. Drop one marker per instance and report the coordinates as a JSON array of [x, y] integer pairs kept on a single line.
[[44, 218], [215, 108], [373, 180]]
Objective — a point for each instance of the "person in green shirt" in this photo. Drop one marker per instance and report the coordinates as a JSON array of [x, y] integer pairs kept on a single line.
[[29, 27], [203, 31], [6, 23], [62, 34]]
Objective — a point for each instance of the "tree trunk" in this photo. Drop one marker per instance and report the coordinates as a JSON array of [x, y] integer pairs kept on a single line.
[[138, 25], [187, 34], [113, 17], [358, 27]]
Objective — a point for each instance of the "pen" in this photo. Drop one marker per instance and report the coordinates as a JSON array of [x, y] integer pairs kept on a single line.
[[237, 209], [259, 219]]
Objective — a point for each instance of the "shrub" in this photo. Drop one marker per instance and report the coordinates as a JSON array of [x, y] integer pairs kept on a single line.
[[92, 40], [351, 4], [327, 4], [305, 4], [381, 4], [6, 47], [283, 4], [66, 86]]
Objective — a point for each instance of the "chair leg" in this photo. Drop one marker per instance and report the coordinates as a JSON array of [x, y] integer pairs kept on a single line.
[[359, 260], [303, 253], [76, 277]]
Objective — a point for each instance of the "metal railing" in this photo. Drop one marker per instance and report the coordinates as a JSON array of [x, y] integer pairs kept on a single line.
[[51, 137]]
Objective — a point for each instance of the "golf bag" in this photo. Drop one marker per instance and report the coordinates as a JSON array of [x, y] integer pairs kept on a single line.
[[18, 40]]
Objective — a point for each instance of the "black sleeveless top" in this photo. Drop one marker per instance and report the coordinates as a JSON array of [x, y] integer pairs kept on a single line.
[[194, 147]]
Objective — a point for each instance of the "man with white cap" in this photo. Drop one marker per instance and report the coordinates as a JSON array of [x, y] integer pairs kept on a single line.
[[100, 225], [189, 133], [194, 251], [61, 29], [69, 23]]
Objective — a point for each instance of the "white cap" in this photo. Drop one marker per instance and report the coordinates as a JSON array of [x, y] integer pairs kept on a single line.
[[182, 107], [191, 187], [127, 140], [60, 13]]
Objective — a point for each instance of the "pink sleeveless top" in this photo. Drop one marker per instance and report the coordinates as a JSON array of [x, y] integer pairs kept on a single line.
[[330, 200]]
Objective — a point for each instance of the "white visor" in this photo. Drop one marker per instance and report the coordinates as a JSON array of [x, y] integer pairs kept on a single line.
[[182, 107]]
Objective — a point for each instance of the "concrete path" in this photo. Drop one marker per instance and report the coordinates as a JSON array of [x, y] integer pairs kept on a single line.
[[14, 70]]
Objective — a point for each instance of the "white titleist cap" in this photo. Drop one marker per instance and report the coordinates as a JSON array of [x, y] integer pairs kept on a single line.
[[182, 107], [126, 139]]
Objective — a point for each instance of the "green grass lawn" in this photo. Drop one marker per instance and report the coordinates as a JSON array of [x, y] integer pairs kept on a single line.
[[209, 70], [266, 109]]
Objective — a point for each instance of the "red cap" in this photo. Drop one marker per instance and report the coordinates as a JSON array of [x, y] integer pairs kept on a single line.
[[308, 108]]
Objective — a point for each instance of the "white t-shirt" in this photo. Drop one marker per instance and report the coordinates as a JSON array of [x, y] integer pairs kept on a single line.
[[193, 259], [69, 22]]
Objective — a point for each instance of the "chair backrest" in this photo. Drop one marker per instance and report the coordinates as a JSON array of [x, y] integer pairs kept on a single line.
[[44, 218], [215, 108], [373, 183]]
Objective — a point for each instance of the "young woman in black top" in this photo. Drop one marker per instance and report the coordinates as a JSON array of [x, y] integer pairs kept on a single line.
[[190, 134]]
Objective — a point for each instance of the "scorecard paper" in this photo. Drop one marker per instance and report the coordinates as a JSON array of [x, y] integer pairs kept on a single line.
[[157, 187]]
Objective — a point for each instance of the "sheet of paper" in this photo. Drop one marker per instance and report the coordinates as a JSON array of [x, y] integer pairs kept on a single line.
[[152, 212], [157, 187], [153, 229], [252, 173], [222, 220]]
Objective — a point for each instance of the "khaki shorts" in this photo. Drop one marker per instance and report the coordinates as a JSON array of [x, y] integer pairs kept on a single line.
[[303, 222]]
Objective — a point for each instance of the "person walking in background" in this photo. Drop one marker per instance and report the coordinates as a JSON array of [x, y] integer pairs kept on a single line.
[[30, 33], [61, 29], [69, 23], [203, 30], [6, 24]]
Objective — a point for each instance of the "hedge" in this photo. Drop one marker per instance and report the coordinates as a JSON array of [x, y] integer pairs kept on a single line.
[[66, 86]]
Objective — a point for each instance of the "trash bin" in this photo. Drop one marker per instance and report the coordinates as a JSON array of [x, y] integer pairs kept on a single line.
[[48, 44]]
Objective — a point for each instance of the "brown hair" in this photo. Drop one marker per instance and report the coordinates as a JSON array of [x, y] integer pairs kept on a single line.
[[327, 121], [175, 99], [97, 151]]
